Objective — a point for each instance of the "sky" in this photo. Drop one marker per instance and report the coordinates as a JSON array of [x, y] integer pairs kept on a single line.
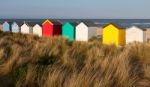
[[68, 9]]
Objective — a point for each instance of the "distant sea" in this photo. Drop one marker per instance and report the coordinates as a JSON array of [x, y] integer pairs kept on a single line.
[[98, 22]]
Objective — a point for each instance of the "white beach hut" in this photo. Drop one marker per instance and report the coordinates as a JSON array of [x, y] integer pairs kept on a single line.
[[37, 29], [85, 31], [16, 26], [27, 27], [135, 33]]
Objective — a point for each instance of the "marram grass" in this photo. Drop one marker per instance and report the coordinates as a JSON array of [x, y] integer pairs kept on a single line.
[[30, 61]]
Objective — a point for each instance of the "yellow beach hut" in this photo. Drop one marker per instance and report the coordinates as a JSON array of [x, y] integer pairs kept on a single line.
[[113, 34]]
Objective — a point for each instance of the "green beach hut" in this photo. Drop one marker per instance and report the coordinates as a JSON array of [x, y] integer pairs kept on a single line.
[[68, 31]]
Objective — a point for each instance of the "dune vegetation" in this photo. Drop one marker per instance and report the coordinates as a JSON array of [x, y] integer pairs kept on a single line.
[[30, 61]]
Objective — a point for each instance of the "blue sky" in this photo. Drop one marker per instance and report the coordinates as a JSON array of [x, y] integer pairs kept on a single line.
[[122, 9]]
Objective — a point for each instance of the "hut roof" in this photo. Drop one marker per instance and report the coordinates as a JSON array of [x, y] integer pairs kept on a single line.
[[119, 26], [55, 22], [139, 27], [89, 23]]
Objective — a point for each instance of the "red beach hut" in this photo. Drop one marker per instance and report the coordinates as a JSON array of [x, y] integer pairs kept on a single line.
[[51, 28]]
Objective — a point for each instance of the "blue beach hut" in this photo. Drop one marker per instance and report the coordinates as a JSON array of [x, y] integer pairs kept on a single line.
[[6, 27]]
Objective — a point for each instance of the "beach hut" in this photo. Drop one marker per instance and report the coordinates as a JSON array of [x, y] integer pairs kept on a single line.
[[135, 33], [113, 34], [37, 29], [146, 27], [68, 30], [6, 26], [51, 28], [16, 26], [27, 27], [85, 31]]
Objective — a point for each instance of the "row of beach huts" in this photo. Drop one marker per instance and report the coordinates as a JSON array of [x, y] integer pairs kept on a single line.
[[83, 31]]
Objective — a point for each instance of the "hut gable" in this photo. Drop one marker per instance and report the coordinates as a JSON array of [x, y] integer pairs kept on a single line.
[[37, 30], [113, 34], [47, 22]]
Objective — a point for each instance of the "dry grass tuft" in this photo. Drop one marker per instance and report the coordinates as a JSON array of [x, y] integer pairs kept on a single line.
[[30, 61]]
